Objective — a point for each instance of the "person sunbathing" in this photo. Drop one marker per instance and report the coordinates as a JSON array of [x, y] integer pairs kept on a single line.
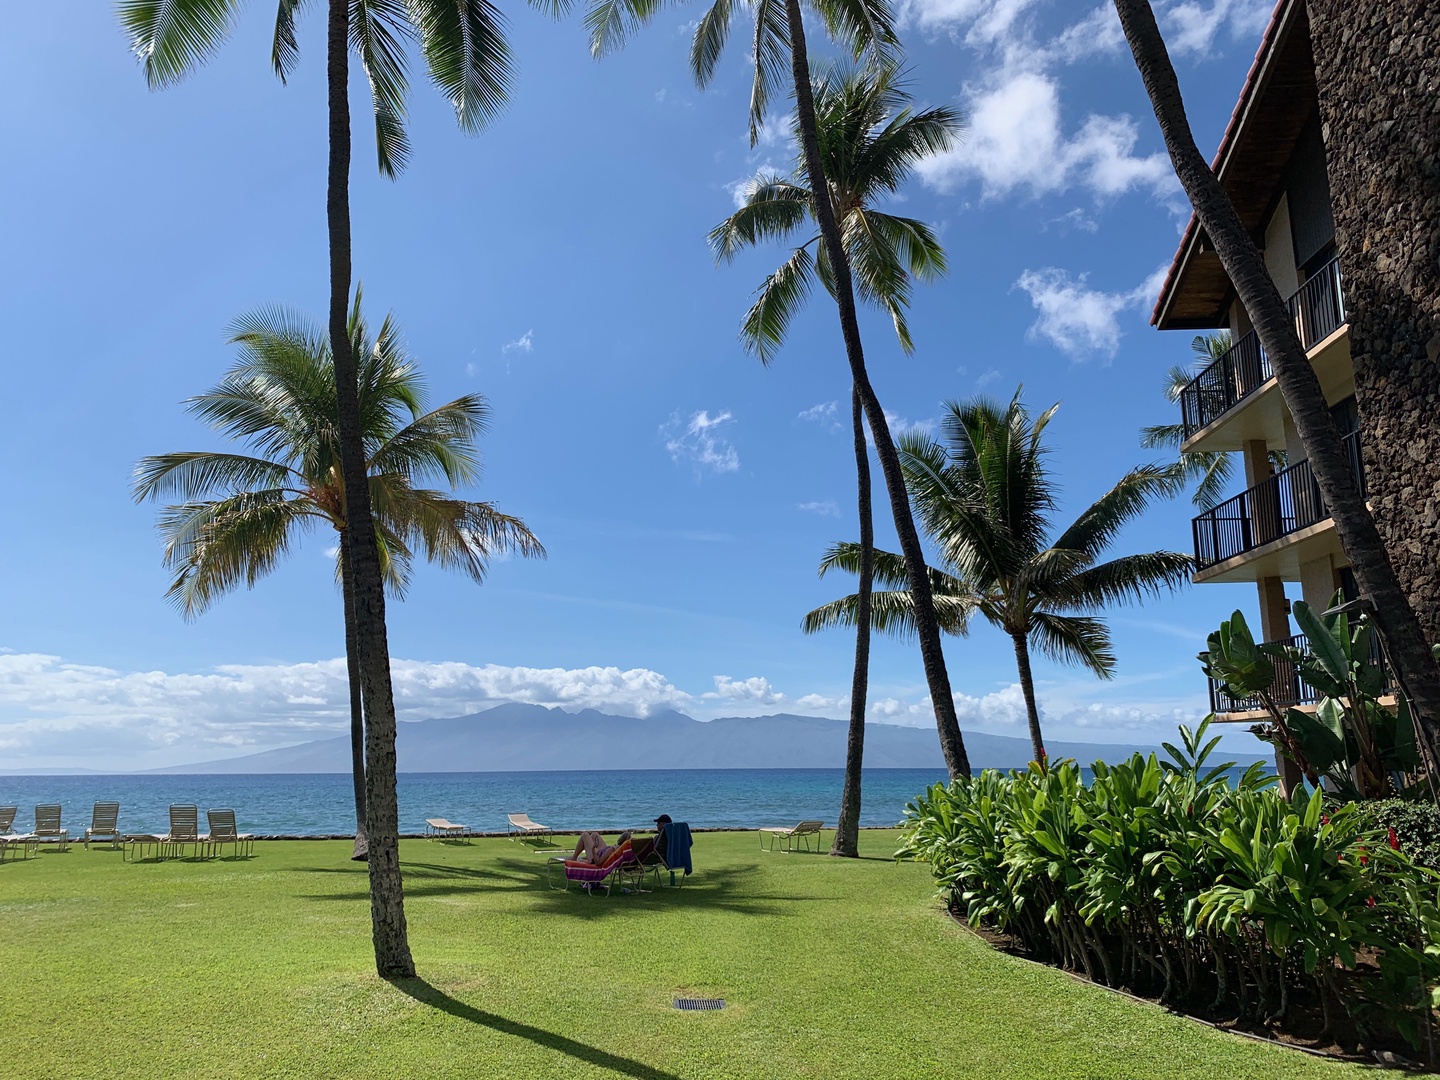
[[591, 847]]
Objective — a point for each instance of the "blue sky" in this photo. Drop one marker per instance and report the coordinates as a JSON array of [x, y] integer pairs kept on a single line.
[[557, 263]]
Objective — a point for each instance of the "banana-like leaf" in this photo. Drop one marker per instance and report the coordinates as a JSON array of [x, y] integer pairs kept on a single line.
[[1322, 639], [1322, 746]]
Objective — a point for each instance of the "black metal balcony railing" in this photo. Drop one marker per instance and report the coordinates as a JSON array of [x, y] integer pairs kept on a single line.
[[1289, 689], [1318, 309], [1288, 501]]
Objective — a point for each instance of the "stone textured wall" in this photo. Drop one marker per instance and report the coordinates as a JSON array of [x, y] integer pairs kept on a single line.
[[1378, 72]]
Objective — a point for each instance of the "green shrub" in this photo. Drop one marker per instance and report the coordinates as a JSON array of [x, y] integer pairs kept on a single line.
[[1165, 877], [1416, 825]]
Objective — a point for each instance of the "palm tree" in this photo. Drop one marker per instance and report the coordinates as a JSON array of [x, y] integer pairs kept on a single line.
[[864, 27], [1210, 470], [1415, 665], [986, 501], [243, 512], [469, 60], [871, 141]]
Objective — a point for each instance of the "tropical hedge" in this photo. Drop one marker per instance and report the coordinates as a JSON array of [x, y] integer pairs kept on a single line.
[[1182, 880]]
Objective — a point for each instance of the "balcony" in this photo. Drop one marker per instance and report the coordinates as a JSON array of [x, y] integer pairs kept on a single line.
[[1274, 508], [1289, 690], [1318, 310]]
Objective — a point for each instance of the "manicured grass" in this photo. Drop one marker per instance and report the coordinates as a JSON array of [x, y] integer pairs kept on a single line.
[[829, 968]]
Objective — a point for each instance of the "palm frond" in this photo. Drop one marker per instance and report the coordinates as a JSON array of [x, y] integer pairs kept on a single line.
[[378, 29], [173, 37], [764, 327], [772, 59], [1128, 579], [464, 45], [440, 443], [774, 208], [1096, 528], [200, 474], [610, 22], [1074, 639], [285, 49], [711, 33], [892, 612]]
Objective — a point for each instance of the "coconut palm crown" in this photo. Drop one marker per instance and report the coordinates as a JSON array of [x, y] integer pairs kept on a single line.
[[241, 513], [870, 141], [987, 502]]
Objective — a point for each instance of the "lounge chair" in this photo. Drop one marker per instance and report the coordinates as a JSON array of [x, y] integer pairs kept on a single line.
[[184, 829], [521, 826], [788, 838], [667, 852], [222, 832], [104, 824], [24, 843], [594, 876], [47, 827], [438, 826]]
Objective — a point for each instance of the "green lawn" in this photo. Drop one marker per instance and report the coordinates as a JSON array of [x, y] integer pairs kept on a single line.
[[829, 968]]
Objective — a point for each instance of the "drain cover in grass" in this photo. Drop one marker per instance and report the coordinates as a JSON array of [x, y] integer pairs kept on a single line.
[[699, 1004]]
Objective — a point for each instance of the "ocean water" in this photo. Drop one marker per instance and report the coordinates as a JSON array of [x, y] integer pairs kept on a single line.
[[320, 803]]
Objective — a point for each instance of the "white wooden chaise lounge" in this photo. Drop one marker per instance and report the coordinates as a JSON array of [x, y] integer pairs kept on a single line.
[[792, 835], [439, 826], [522, 826]]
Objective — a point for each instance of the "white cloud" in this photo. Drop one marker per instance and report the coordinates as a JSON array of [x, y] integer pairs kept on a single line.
[[756, 690], [991, 376], [1016, 144], [1192, 26], [1077, 319], [826, 410], [823, 507], [54, 712], [699, 441], [900, 425], [524, 343]]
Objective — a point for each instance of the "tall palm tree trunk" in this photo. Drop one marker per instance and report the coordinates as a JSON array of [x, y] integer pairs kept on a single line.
[[1377, 66], [1027, 688], [361, 850], [952, 743], [847, 831], [387, 899], [1299, 385]]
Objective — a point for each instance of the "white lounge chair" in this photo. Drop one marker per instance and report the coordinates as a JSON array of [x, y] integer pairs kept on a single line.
[[522, 827], [26, 844], [104, 824], [184, 829], [789, 837], [222, 832], [47, 827], [438, 826]]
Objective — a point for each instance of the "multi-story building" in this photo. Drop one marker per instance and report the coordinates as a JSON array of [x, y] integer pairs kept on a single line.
[[1277, 532]]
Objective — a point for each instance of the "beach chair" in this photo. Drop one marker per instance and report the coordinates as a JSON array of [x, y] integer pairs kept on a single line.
[[47, 827], [104, 824], [795, 834], [184, 829], [602, 876], [222, 832], [438, 826], [521, 827], [25, 844], [668, 852]]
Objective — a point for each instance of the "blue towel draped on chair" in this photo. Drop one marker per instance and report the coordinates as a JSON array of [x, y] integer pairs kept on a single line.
[[677, 846]]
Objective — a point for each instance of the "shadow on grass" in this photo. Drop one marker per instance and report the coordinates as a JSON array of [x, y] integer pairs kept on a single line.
[[424, 879], [729, 889], [429, 995]]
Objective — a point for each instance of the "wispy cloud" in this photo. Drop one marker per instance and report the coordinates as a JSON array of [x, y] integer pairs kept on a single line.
[[524, 343], [823, 507], [699, 441], [1080, 321]]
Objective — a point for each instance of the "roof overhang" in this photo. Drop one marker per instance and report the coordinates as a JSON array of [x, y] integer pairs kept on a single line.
[[1278, 97]]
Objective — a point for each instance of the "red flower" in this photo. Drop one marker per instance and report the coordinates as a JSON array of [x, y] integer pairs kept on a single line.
[[1370, 901], [1394, 840]]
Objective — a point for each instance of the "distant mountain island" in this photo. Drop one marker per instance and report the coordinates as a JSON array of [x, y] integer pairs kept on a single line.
[[517, 737]]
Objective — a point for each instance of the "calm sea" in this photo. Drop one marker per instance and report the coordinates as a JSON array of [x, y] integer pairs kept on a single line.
[[320, 803]]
